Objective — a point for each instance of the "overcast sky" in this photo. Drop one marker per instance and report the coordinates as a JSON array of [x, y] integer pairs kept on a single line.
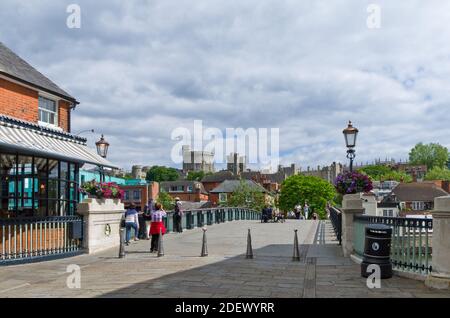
[[140, 69]]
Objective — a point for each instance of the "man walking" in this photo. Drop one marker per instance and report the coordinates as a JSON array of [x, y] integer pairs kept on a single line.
[[178, 214], [131, 222], [149, 208]]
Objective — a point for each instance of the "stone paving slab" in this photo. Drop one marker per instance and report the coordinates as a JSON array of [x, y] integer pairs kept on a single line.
[[322, 271]]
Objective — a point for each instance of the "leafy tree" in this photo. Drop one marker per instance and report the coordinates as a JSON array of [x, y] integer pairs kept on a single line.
[[165, 200], [376, 171], [432, 155], [396, 176], [299, 188], [196, 175], [438, 174], [247, 196], [161, 173]]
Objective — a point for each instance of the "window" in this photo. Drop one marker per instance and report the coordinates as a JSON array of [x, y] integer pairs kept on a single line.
[[136, 195], [389, 213], [418, 206], [222, 197], [176, 189], [189, 189], [48, 113], [34, 186], [126, 195]]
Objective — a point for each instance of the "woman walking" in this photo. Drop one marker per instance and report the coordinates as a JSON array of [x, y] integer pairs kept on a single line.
[[157, 226]]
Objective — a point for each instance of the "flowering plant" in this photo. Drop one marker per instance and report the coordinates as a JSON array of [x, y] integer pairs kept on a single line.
[[106, 190], [352, 182]]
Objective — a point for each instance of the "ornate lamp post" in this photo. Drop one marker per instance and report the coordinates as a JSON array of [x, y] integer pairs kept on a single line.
[[102, 150], [350, 134]]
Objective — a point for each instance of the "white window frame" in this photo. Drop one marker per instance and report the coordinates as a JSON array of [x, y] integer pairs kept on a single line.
[[222, 196], [55, 113]]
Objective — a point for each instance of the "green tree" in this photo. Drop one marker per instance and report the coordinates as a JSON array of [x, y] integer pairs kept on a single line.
[[299, 188], [161, 173], [196, 175], [247, 196], [396, 176], [438, 174], [432, 155], [375, 172], [165, 200]]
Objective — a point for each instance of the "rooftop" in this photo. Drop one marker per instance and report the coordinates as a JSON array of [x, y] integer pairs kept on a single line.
[[14, 67]]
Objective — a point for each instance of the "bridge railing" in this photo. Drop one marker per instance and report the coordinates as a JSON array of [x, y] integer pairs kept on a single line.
[[411, 245], [33, 238], [335, 216], [201, 217]]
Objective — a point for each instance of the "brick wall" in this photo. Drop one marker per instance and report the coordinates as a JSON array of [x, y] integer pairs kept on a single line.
[[23, 103], [64, 115], [18, 101]]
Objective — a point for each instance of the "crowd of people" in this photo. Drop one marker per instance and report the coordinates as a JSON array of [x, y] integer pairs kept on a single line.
[[149, 223]]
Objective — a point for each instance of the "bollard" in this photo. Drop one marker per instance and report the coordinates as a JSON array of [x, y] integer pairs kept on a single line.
[[122, 243], [249, 254], [160, 244], [204, 246], [296, 256]]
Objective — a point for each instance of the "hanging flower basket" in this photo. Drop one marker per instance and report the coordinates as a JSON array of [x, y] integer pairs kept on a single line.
[[105, 190], [352, 182]]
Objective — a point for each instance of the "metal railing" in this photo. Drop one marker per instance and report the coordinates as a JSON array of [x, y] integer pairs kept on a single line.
[[201, 217], [336, 221], [31, 238], [411, 245]]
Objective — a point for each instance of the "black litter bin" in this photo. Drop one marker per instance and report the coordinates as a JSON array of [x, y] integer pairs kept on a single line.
[[377, 250]]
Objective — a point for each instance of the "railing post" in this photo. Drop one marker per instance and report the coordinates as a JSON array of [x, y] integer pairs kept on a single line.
[[440, 274], [351, 205]]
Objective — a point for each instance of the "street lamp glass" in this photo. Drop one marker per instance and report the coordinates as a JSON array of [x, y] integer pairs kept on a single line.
[[102, 147], [350, 134]]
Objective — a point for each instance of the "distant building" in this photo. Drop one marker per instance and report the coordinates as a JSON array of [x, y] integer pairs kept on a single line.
[[417, 197], [328, 173], [222, 193], [139, 192], [382, 189], [236, 164], [194, 160], [213, 180], [186, 190], [417, 172], [289, 171]]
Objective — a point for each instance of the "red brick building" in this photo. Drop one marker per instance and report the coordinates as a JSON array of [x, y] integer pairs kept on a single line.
[[185, 190], [39, 162], [140, 194]]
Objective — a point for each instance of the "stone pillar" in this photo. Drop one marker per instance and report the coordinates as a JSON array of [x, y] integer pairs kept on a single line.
[[440, 276], [351, 205], [101, 223]]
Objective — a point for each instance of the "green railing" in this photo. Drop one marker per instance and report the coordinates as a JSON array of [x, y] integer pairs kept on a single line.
[[201, 217], [411, 245]]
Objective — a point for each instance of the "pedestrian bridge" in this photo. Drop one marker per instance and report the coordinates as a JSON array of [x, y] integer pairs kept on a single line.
[[321, 272]]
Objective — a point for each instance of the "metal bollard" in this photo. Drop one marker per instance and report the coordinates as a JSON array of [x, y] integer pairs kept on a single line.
[[160, 244], [122, 243], [249, 254], [296, 256], [204, 246]]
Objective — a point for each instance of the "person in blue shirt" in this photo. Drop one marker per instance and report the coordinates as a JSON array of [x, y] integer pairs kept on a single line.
[[131, 222]]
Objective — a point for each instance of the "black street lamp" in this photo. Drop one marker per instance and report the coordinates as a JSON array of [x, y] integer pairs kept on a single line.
[[350, 134], [102, 147], [102, 150]]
